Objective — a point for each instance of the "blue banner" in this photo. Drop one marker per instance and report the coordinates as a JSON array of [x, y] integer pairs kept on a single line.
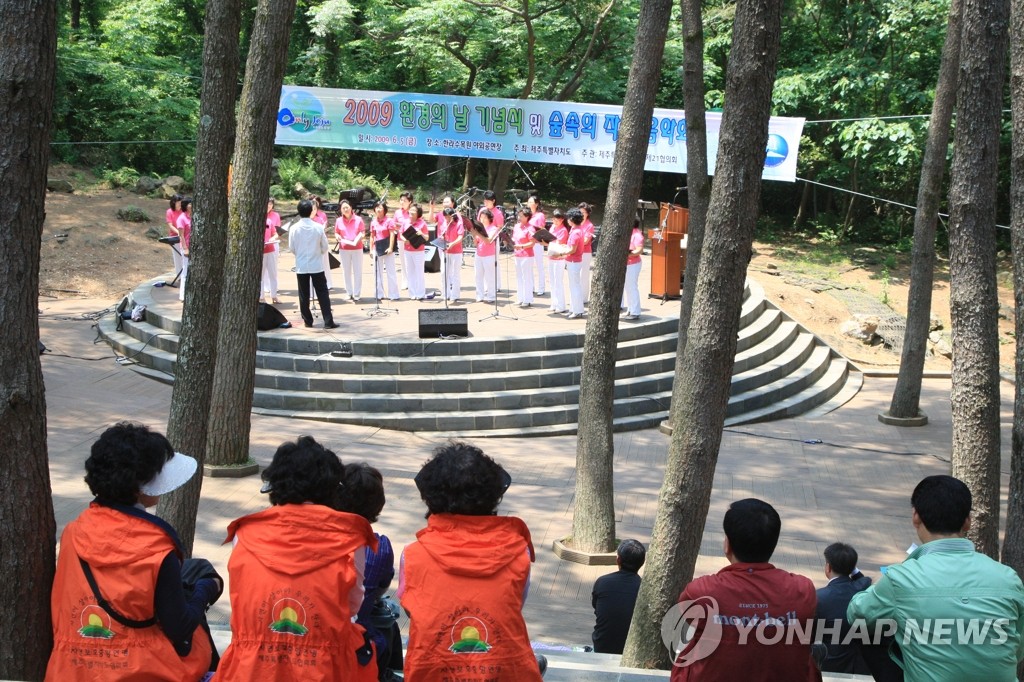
[[491, 128]]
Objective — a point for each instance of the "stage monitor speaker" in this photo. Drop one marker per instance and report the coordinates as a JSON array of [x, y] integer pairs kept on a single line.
[[431, 259], [269, 318], [450, 322]]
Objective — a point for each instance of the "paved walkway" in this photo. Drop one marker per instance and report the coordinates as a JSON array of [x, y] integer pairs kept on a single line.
[[853, 486]]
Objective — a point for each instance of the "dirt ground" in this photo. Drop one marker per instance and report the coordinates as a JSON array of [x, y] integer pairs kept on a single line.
[[106, 257]]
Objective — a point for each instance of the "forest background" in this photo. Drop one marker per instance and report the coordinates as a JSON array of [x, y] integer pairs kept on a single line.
[[862, 74]]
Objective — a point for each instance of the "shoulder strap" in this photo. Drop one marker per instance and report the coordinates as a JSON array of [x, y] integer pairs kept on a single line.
[[105, 605]]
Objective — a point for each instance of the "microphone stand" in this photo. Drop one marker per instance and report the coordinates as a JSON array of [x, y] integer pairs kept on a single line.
[[378, 285]]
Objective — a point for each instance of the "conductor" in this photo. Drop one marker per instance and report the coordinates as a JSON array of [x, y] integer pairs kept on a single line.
[[307, 241]]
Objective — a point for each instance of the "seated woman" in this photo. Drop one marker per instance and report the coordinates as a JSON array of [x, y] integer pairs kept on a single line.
[[296, 575], [464, 581], [118, 605], [362, 493]]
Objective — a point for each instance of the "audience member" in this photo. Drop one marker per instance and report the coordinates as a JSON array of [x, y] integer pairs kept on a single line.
[[752, 595], [958, 614], [614, 597], [297, 577], [363, 494], [464, 580], [844, 581], [119, 606]]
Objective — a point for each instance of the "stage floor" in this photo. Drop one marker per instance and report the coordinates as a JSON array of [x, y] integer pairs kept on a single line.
[[359, 321]]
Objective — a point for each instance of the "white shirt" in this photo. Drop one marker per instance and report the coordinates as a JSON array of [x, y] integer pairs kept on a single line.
[[307, 241]]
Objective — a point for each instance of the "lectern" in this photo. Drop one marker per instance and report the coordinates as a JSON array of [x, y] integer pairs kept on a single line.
[[668, 253]]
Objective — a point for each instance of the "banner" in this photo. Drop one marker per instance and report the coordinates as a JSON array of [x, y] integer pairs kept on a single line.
[[485, 127]]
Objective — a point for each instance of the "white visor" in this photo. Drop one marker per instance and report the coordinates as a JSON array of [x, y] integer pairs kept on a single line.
[[175, 473]]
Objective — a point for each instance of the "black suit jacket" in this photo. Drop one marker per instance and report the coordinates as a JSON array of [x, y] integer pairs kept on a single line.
[[832, 602]]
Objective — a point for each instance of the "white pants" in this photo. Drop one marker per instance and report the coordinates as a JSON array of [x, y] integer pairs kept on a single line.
[[524, 280], [538, 266], [486, 274], [412, 268], [585, 276], [352, 266], [451, 275], [184, 276], [270, 273], [557, 284], [385, 266], [575, 270], [631, 293], [327, 271], [176, 257]]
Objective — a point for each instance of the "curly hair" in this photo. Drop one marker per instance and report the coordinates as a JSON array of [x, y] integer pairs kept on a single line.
[[125, 456], [304, 471], [461, 479], [362, 491]]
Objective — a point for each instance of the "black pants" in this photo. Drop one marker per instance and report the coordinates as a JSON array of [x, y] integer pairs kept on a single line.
[[319, 280]]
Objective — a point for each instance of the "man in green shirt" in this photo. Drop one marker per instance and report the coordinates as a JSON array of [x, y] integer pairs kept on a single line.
[[956, 614]]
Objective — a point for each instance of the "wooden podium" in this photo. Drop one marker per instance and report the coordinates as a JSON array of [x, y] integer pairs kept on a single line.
[[668, 255]]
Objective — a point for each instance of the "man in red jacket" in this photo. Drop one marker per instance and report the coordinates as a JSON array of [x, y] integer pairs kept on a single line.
[[751, 621]]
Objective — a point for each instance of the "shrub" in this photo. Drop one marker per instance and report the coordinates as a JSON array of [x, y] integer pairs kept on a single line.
[[132, 214], [122, 177]]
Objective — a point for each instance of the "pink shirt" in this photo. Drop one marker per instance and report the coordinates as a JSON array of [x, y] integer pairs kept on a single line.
[[403, 218], [382, 229], [352, 229], [320, 217], [184, 226], [454, 234], [498, 217], [486, 247], [269, 233], [538, 220], [523, 234], [588, 233], [561, 236], [273, 219], [172, 221], [636, 241], [421, 229], [576, 242]]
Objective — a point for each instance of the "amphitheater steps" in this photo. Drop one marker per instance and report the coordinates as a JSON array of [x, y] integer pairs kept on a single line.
[[513, 386]]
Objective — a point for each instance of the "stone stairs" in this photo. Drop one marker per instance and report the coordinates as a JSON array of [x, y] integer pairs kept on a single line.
[[507, 386]]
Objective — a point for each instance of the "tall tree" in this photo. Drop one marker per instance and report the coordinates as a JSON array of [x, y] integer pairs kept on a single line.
[[1013, 544], [593, 521], [710, 352], [697, 180], [906, 397], [28, 48], [973, 297], [230, 410], [197, 350]]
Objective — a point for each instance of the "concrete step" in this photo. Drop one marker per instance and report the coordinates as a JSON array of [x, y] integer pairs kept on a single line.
[[784, 358], [783, 336], [759, 329], [831, 383], [777, 391]]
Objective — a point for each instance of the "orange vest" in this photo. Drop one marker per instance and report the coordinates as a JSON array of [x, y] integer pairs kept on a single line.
[[291, 572], [464, 582], [124, 552]]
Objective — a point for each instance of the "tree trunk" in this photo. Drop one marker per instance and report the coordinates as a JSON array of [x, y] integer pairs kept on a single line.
[[906, 397], [229, 415], [1013, 544], [697, 180], [501, 178], [28, 45], [711, 343], [972, 264], [197, 351], [593, 523]]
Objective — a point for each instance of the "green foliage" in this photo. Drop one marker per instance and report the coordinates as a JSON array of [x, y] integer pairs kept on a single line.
[[132, 214], [350, 178], [294, 171], [122, 177]]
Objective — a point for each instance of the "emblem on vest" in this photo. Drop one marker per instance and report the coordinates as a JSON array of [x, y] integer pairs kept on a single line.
[[289, 618], [469, 636], [95, 623]]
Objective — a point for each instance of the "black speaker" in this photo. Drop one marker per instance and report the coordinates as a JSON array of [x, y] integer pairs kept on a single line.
[[431, 259], [450, 322], [270, 318]]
